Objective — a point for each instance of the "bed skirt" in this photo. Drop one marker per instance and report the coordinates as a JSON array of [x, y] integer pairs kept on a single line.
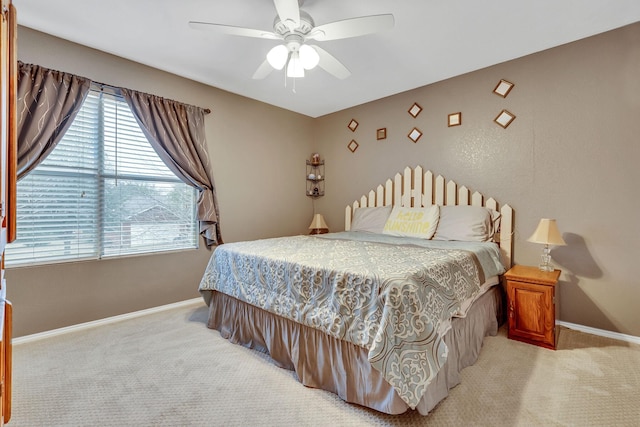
[[321, 361]]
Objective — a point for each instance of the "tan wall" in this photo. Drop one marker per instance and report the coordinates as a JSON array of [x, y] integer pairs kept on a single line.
[[258, 165], [571, 154]]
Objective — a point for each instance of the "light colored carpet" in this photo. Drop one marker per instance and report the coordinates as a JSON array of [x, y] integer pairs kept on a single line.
[[168, 369]]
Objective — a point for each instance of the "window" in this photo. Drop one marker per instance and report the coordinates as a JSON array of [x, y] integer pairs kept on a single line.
[[102, 192]]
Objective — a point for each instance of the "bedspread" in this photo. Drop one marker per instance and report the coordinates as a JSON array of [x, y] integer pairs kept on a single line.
[[394, 299]]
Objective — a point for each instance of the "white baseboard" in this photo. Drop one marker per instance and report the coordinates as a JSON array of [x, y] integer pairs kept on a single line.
[[195, 301], [601, 332], [106, 321]]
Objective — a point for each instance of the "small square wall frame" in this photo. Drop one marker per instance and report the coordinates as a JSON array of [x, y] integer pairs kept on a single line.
[[415, 110], [503, 88], [415, 134], [454, 119], [505, 118]]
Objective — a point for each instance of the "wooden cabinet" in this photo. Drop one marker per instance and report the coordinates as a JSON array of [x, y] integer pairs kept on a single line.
[[532, 307], [8, 180]]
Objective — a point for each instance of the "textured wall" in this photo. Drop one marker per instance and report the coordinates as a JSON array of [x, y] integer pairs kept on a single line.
[[572, 154]]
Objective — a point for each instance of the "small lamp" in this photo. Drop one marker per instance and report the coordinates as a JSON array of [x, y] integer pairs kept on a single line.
[[547, 234], [318, 226]]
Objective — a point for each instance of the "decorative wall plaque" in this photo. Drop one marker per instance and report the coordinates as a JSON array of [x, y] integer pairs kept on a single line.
[[504, 119], [415, 110], [503, 88], [455, 119], [415, 134]]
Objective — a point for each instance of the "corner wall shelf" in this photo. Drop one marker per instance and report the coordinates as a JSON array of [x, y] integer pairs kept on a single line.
[[315, 178]]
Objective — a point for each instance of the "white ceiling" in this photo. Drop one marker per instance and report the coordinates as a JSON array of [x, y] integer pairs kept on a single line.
[[432, 40]]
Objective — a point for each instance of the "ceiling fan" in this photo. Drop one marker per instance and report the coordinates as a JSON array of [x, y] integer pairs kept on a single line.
[[295, 28]]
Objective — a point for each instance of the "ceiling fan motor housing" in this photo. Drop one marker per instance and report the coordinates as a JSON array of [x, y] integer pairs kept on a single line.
[[305, 26]]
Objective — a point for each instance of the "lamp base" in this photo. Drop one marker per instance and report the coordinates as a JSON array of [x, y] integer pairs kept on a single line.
[[319, 231], [546, 267], [545, 260]]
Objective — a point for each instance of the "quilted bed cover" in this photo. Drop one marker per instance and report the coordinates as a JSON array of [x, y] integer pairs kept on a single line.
[[394, 296]]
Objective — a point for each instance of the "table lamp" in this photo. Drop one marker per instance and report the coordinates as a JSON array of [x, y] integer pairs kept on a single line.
[[547, 234], [318, 226]]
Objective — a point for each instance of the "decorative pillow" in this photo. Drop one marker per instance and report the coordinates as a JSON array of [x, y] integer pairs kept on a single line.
[[412, 222], [467, 223], [371, 220]]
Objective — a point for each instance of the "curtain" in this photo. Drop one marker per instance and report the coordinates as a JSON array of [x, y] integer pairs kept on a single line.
[[48, 101], [176, 132]]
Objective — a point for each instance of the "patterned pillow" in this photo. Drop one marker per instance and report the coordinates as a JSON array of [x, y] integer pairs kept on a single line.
[[412, 222]]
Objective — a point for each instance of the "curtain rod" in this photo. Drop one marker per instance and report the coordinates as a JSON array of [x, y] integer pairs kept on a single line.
[[114, 88], [102, 85]]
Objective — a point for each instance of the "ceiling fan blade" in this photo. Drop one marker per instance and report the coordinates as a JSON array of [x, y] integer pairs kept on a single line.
[[289, 12], [233, 31], [263, 70], [330, 64], [352, 27]]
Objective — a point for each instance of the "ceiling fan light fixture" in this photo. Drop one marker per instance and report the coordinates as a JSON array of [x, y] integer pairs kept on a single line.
[[295, 68], [295, 27], [309, 57], [277, 57]]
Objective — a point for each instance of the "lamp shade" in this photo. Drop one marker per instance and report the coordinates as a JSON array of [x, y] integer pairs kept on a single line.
[[295, 68], [547, 233], [277, 57], [318, 222], [309, 57]]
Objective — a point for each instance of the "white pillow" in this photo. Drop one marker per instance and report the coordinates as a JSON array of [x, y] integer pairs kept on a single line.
[[412, 222], [467, 223], [370, 219]]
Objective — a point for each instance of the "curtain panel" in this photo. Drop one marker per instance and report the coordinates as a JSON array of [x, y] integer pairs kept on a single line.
[[48, 102], [176, 132]]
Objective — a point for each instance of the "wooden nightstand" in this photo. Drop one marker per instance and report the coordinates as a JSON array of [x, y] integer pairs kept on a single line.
[[532, 305]]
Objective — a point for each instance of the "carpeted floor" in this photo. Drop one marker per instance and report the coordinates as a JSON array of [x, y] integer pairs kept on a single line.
[[168, 369]]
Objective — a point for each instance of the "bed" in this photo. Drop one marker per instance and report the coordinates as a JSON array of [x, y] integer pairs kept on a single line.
[[385, 314]]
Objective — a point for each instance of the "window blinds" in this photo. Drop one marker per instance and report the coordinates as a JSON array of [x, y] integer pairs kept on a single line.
[[103, 191]]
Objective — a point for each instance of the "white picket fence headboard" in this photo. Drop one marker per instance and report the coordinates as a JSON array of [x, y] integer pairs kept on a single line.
[[416, 188]]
